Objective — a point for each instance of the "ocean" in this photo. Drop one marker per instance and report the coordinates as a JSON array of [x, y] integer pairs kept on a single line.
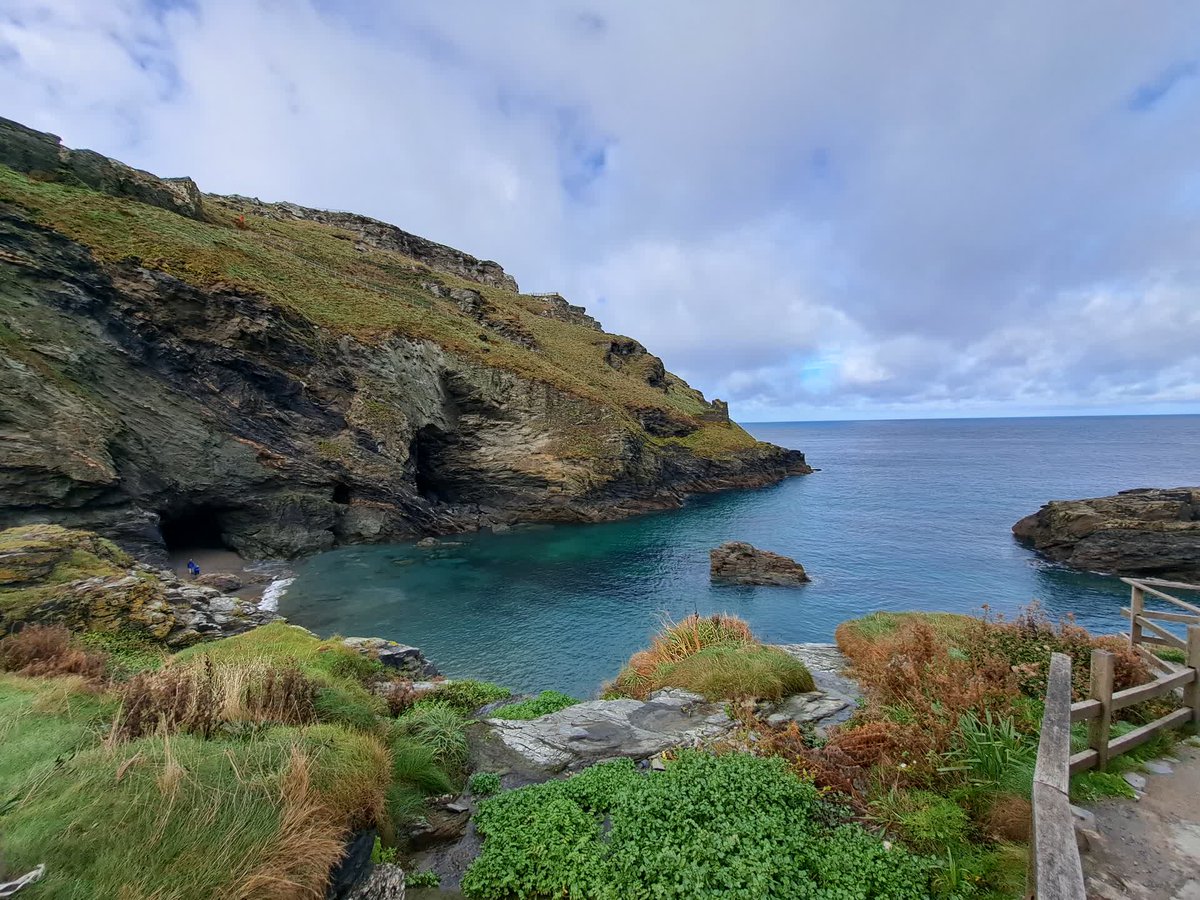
[[902, 515]]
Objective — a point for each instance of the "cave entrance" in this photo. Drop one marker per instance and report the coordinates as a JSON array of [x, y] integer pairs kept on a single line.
[[196, 527], [427, 452]]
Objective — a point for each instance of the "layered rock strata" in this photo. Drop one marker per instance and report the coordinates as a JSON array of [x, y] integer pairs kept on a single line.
[[1145, 531], [179, 368]]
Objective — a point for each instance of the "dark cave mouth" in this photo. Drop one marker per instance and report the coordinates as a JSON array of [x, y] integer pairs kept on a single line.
[[197, 527], [427, 452]]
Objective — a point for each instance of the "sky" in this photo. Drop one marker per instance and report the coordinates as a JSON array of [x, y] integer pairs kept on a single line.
[[812, 210]]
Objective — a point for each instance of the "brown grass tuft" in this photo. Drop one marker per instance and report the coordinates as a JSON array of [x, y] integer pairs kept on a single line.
[[1010, 818], [297, 862], [45, 650]]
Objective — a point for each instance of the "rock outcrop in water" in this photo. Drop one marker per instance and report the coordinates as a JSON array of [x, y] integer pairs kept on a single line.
[[1146, 531], [183, 368], [53, 575], [736, 562]]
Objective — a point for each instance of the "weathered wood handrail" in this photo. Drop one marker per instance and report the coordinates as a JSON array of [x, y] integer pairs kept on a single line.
[[1056, 872]]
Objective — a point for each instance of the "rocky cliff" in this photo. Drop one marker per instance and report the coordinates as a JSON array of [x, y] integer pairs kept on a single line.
[[179, 367], [1147, 532]]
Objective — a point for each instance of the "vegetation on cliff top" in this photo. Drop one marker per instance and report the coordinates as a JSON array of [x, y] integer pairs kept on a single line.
[[315, 270]]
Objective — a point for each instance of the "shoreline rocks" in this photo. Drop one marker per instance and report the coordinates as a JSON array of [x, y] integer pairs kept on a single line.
[[736, 562], [1148, 532], [50, 574]]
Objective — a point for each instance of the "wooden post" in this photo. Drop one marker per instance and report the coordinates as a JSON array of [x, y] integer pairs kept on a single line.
[[1191, 692], [1054, 861], [1102, 690], [1137, 605]]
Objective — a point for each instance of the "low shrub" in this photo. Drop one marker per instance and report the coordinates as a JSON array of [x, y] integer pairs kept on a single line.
[[709, 826], [50, 650], [542, 705], [199, 697], [483, 784], [466, 696]]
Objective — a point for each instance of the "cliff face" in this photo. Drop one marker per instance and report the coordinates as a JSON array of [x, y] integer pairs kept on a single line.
[[280, 379], [1147, 532]]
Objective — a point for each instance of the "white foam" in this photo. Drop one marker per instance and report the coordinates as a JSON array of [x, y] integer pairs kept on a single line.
[[274, 590]]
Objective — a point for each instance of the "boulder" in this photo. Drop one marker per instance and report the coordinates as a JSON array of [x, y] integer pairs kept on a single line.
[[737, 562], [810, 708], [386, 882], [225, 582], [400, 658], [1147, 532], [578, 736]]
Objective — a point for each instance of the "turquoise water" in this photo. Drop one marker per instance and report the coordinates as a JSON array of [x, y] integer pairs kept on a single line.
[[902, 515]]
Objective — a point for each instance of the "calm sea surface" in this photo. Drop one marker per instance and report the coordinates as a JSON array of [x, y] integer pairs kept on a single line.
[[902, 515]]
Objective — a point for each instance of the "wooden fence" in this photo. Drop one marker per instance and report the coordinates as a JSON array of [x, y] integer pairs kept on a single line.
[[1055, 869]]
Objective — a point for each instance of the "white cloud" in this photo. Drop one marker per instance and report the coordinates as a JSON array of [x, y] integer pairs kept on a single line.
[[810, 208]]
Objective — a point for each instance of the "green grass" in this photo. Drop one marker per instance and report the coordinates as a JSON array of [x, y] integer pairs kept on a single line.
[[441, 728], [128, 653], [542, 705], [466, 696], [709, 826], [339, 672], [180, 817], [314, 270], [728, 673], [876, 625]]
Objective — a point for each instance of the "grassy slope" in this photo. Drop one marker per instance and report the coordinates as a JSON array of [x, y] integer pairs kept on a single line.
[[314, 270], [257, 810]]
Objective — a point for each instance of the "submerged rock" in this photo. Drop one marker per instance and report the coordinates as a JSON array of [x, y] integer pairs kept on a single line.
[[50, 574], [587, 733], [1149, 532], [737, 562]]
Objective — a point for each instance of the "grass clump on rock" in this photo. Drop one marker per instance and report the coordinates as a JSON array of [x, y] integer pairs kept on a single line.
[[716, 656]]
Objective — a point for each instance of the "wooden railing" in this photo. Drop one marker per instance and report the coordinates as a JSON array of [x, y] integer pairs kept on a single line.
[[1055, 870]]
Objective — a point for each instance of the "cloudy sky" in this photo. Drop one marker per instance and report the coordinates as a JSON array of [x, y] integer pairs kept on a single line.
[[815, 210]]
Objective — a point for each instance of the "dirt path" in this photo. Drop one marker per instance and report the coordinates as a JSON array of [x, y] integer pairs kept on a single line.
[[1149, 849]]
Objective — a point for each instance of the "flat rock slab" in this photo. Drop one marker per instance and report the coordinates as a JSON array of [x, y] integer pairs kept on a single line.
[[587, 733], [828, 667]]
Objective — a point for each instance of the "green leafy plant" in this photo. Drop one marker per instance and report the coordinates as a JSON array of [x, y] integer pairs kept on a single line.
[[543, 704], [465, 696], [427, 878], [381, 854], [483, 784], [923, 820], [709, 826], [996, 753]]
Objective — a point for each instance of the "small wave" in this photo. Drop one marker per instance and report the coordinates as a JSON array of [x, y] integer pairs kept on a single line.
[[274, 590]]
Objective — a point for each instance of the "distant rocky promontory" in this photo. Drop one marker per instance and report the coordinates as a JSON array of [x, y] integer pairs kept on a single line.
[[1151, 532]]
